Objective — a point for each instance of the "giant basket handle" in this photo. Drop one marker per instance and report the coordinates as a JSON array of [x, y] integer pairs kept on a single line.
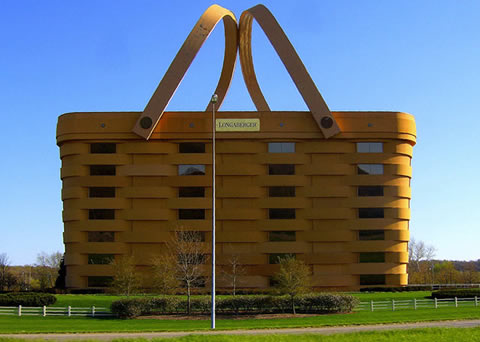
[[285, 50], [152, 113]]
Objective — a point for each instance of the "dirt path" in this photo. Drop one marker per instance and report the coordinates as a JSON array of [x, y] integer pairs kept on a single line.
[[322, 331]]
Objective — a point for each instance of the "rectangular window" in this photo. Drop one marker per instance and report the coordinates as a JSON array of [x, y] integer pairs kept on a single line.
[[103, 148], [370, 169], [370, 191], [191, 258], [373, 279], [371, 213], [369, 147], [367, 235], [101, 214], [191, 170], [191, 147], [281, 191], [281, 169], [101, 236], [191, 236], [281, 147], [102, 170], [282, 236], [100, 259], [372, 257], [101, 192], [191, 191], [275, 258], [281, 214], [191, 214], [99, 281]]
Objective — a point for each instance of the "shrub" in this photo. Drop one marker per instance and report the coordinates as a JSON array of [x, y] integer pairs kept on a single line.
[[459, 293], [309, 303], [27, 299], [132, 307]]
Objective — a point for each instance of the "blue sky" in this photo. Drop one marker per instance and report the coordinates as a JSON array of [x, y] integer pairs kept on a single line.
[[420, 57]]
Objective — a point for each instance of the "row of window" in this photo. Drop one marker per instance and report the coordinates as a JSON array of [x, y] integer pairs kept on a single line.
[[199, 169], [280, 236], [273, 191], [199, 214], [365, 279], [274, 258], [273, 147]]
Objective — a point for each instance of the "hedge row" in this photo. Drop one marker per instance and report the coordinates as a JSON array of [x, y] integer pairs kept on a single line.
[[459, 293], [396, 289], [311, 303], [27, 299]]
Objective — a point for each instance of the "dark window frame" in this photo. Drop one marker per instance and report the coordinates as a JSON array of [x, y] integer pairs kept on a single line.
[[373, 279], [371, 213], [274, 258], [276, 169], [282, 213], [192, 168], [366, 235], [101, 192], [103, 148], [191, 214], [191, 147], [371, 257], [281, 191], [101, 214], [102, 236], [276, 236], [103, 170], [370, 191], [191, 192], [100, 258]]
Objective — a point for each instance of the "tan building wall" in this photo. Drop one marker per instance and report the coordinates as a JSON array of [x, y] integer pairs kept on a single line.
[[329, 233]]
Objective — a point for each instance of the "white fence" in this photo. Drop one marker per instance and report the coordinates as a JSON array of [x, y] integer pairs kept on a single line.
[[55, 311], [414, 304]]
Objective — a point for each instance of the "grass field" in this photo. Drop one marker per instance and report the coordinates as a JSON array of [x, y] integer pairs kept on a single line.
[[417, 335], [106, 300], [14, 324]]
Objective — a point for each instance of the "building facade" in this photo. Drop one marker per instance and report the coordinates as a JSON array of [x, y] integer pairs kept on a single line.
[[329, 188], [341, 205]]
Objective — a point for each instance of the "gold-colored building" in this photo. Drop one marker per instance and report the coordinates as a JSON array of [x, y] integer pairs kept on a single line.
[[340, 204]]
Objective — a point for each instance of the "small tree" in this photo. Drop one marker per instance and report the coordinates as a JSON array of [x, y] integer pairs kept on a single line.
[[47, 268], [233, 271], [125, 279], [4, 270], [165, 279], [293, 278], [189, 250]]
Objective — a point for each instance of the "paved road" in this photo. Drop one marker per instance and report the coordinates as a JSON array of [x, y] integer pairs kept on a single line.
[[322, 331]]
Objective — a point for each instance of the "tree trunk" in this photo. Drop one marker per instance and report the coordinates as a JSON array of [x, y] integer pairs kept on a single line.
[[293, 304], [188, 299]]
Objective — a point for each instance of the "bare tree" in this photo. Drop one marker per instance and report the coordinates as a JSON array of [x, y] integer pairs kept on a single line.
[[125, 279], [420, 257], [4, 270], [189, 251], [293, 278], [233, 271], [47, 268]]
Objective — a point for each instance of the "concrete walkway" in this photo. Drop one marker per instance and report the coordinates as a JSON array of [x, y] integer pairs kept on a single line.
[[322, 331]]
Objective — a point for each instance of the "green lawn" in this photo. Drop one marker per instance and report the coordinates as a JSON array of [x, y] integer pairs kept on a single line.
[[417, 335], [101, 300], [13, 324]]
